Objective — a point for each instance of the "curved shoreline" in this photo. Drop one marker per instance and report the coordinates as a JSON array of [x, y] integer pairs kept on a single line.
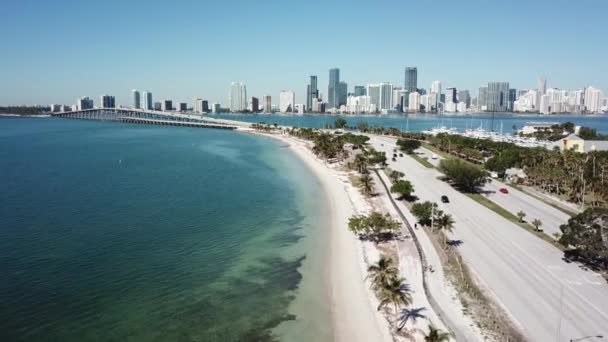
[[354, 317]]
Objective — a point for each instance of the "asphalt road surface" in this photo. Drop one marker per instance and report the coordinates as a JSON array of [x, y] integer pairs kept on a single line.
[[550, 299]]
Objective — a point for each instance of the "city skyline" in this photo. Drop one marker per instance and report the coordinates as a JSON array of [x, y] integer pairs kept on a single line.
[[50, 61]]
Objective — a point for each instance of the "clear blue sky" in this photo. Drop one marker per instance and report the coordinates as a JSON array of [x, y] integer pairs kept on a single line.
[[55, 51]]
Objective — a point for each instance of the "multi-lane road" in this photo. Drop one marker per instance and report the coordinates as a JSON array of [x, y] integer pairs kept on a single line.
[[549, 299], [515, 201]]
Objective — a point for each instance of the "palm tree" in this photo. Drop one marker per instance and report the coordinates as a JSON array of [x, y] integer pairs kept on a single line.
[[360, 163], [395, 292], [410, 315], [382, 272], [395, 176], [366, 184], [445, 222], [436, 335], [537, 223]]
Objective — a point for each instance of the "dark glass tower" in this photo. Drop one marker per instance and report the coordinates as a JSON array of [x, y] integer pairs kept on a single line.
[[333, 88], [411, 79]]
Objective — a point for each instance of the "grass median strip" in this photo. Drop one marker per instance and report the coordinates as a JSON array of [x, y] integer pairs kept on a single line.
[[513, 218], [422, 161]]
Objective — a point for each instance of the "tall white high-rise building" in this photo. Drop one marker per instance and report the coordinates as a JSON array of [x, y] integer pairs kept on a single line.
[[545, 104], [147, 103], [287, 101], [592, 100], [386, 96], [373, 91], [435, 89], [414, 102], [238, 97], [136, 99], [198, 105]]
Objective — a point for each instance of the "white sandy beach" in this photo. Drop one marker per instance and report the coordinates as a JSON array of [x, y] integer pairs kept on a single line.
[[354, 316]]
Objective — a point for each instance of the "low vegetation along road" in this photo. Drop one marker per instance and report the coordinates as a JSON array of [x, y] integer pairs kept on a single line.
[[548, 298]]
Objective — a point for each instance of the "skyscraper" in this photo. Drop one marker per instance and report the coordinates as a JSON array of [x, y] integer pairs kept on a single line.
[[386, 96], [146, 102], [238, 97], [332, 88], [498, 96], [360, 91], [198, 105], [267, 104], [411, 79], [511, 99], [287, 101], [414, 102], [342, 94], [84, 103], [450, 95], [312, 92], [136, 99], [542, 86], [107, 101], [464, 96], [255, 104], [482, 99], [373, 91]]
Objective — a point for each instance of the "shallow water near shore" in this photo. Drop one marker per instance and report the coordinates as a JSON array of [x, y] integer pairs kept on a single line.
[[114, 232]]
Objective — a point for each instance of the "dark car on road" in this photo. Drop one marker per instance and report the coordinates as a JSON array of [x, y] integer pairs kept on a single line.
[[445, 199]]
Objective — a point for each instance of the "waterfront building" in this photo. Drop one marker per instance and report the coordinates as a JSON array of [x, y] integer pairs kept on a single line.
[[255, 104], [333, 88], [360, 91], [238, 97], [436, 89], [267, 104], [146, 101], [216, 108], [414, 102], [497, 97], [342, 93], [577, 144], [158, 106], [464, 96], [482, 98], [386, 96], [461, 107], [84, 103], [312, 92], [592, 100], [359, 104], [527, 102], [287, 100], [411, 79], [198, 105], [300, 108], [373, 91], [450, 95], [183, 107], [107, 101], [425, 103], [55, 108], [545, 107], [512, 98], [136, 99], [167, 105], [433, 102]]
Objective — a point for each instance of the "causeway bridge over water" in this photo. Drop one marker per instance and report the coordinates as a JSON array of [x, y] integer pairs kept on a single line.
[[151, 117]]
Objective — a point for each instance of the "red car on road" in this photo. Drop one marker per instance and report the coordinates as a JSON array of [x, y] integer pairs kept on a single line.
[[504, 190]]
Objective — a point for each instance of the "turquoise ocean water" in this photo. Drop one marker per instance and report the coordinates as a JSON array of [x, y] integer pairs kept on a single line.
[[117, 232]]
